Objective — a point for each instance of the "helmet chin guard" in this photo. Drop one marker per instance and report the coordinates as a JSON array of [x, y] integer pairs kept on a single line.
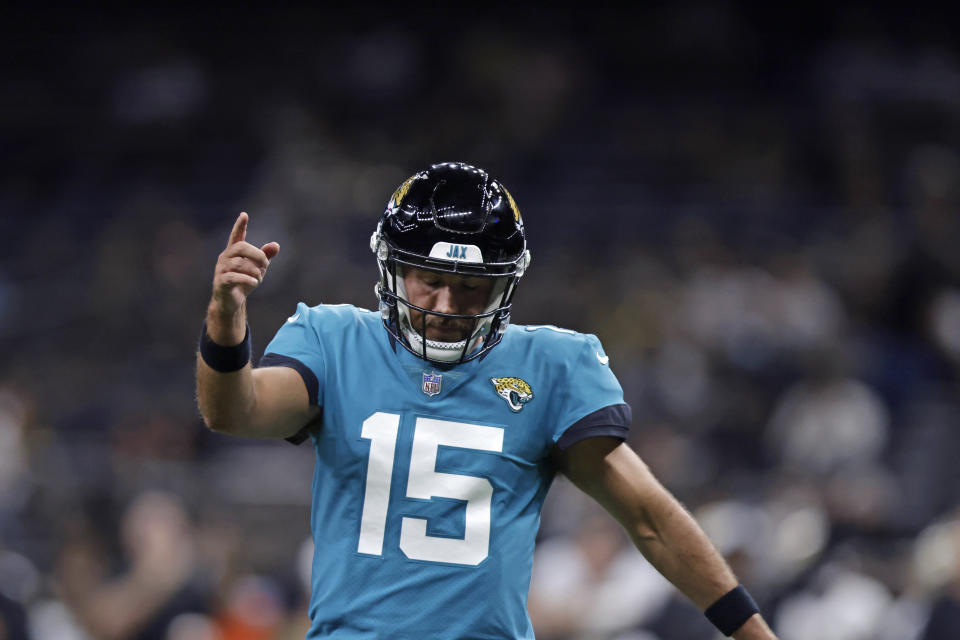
[[451, 218]]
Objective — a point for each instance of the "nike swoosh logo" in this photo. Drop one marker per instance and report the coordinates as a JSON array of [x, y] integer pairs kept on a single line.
[[294, 317], [603, 359]]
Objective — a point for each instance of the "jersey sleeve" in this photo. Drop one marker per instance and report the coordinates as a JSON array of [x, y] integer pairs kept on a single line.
[[592, 403], [297, 345]]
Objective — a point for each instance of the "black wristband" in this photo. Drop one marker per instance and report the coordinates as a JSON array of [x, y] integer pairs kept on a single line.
[[221, 358], [733, 609]]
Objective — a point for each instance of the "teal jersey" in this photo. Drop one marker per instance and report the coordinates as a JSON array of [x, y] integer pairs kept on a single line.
[[429, 479]]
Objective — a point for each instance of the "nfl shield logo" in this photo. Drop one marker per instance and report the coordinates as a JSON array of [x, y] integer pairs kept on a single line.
[[431, 383]]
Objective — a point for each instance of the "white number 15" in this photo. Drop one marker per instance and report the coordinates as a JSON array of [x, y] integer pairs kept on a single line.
[[425, 483]]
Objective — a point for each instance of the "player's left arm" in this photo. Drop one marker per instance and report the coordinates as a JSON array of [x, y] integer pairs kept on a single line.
[[667, 535]]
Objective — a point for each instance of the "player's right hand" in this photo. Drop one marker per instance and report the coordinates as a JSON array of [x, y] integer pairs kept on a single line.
[[240, 269]]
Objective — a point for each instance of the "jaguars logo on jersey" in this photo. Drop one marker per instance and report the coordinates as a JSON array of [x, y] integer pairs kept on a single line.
[[515, 391]]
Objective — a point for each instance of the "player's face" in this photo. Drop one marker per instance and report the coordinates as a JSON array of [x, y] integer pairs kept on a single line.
[[445, 293]]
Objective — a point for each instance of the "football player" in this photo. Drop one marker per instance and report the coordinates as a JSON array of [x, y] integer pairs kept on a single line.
[[439, 426]]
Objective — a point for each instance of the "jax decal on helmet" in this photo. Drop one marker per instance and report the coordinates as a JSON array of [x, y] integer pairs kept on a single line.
[[451, 218]]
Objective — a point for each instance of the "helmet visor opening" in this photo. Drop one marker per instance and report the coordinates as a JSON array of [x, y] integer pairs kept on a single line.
[[441, 336]]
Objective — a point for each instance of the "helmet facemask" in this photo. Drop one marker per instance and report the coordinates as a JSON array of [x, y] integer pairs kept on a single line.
[[475, 336], [487, 327]]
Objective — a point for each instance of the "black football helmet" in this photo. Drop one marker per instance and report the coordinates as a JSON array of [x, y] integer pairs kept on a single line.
[[450, 218]]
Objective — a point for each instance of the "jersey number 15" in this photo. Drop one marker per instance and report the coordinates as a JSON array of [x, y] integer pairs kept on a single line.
[[425, 483]]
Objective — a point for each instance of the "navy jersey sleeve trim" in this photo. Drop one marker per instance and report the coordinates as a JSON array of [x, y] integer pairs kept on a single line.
[[309, 379], [304, 433], [613, 420]]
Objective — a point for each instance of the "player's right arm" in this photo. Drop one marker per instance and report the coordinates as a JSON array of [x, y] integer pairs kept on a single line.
[[269, 402]]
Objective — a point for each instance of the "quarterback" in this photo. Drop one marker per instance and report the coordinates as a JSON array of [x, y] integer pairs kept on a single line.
[[439, 426]]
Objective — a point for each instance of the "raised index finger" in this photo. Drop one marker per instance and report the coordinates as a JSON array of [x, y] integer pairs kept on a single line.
[[239, 232]]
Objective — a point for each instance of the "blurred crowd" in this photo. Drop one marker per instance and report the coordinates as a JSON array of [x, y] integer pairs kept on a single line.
[[757, 213]]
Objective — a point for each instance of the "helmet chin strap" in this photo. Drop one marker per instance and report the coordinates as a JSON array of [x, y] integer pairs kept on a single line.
[[436, 350]]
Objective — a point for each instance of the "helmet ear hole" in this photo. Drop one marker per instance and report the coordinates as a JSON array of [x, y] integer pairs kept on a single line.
[[523, 263]]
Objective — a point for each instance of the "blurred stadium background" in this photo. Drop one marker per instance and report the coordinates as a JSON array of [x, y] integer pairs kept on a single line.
[[756, 210]]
